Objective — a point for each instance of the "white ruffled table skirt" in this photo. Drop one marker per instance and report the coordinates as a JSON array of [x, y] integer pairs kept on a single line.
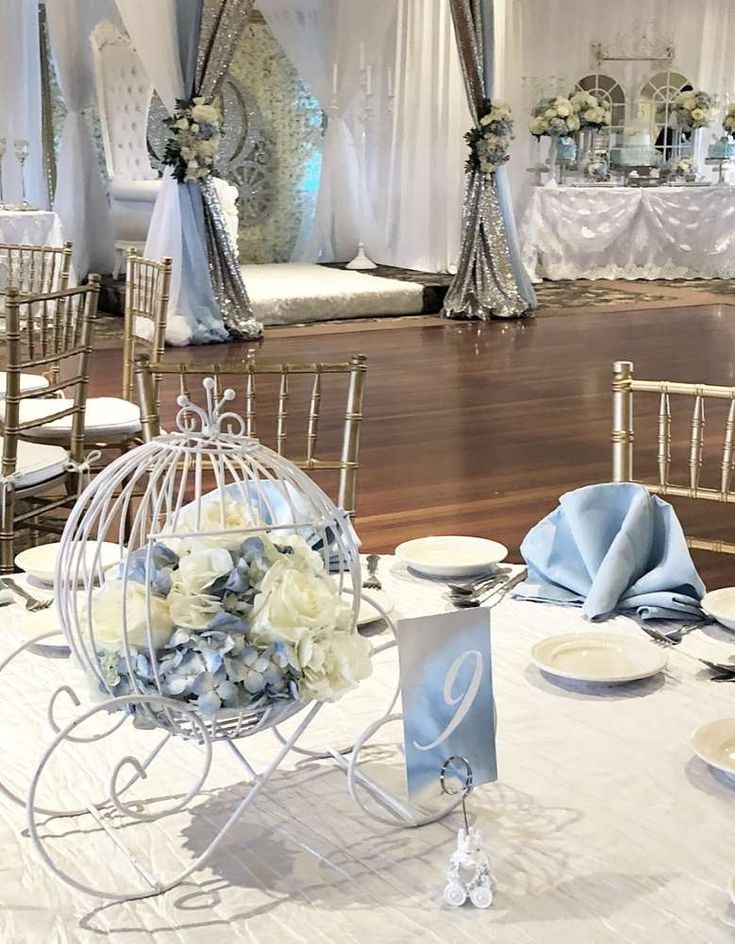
[[603, 827], [630, 233]]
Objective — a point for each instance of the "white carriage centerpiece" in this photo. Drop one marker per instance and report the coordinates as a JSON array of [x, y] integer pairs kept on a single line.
[[228, 612]]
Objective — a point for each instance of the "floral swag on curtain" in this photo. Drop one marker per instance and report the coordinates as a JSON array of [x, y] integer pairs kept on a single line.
[[491, 280], [186, 47]]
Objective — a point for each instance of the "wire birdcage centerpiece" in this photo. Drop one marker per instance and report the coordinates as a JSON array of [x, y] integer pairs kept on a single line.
[[229, 609]]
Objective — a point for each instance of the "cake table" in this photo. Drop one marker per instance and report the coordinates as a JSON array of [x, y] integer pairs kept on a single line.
[[682, 232]]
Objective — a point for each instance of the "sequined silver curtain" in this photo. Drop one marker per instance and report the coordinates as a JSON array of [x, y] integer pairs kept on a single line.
[[491, 281], [222, 23]]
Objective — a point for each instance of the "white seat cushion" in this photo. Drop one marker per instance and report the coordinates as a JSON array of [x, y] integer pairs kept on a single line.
[[134, 191], [38, 462], [28, 382], [106, 418]]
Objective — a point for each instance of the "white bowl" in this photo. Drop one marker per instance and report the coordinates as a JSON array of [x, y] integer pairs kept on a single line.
[[451, 555], [40, 562], [714, 743], [603, 658], [720, 605]]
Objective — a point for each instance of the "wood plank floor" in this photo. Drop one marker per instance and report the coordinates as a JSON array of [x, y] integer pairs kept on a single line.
[[478, 428]]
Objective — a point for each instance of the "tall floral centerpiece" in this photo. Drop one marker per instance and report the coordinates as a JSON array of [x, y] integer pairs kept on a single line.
[[558, 118], [489, 141], [692, 110], [594, 115]]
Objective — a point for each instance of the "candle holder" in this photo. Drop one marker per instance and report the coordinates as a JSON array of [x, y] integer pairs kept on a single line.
[[3, 149], [21, 153], [362, 260]]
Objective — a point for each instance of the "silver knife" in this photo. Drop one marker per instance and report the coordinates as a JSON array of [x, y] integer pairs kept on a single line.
[[513, 582]]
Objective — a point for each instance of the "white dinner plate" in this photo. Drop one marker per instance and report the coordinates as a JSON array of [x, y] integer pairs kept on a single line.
[[605, 658], [451, 555], [368, 613], [40, 562], [720, 605], [714, 743]]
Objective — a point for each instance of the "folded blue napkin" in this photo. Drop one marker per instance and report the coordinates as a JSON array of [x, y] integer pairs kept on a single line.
[[612, 547]]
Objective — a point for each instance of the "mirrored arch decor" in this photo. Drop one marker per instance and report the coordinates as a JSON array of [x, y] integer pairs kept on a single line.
[[657, 97]]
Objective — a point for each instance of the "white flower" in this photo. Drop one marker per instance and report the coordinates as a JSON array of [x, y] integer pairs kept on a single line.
[[235, 518], [293, 601], [189, 603], [563, 109], [182, 123], [550, 113], [573, 122], [332, 665], [205, 114], [111, 629], [539, 126], [698, 114]]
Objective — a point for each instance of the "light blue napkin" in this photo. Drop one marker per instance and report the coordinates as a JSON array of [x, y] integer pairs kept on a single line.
[[612, 547]]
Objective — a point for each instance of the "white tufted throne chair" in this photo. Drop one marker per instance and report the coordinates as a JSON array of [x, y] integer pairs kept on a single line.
[[124, 96]]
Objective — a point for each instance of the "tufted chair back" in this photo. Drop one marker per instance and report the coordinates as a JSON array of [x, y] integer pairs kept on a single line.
[[124, 95]]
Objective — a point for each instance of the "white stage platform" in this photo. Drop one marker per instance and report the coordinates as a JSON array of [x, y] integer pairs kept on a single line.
[[294, 293]]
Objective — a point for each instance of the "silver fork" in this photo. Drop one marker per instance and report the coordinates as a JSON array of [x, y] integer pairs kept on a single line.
[[32, 604], [372, 582]]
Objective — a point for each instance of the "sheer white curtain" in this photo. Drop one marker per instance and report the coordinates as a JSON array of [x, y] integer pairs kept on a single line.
[[152, 29], [327, 41], [80, 200], [20, 99], [417, 149]]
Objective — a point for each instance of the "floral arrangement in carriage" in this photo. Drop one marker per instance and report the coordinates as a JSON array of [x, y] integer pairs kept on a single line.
[[224, 602]]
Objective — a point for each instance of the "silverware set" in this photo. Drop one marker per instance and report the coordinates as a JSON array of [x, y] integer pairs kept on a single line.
[[493, 585], [725, 670]]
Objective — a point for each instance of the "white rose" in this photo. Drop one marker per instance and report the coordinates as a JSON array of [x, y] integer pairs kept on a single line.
[[234, 519], [109, 627], [205, 114], [182, 123], [563, 109], [550, 113], [332, 665], [573, 123], [189, 603], [698, 114], [292, 602]]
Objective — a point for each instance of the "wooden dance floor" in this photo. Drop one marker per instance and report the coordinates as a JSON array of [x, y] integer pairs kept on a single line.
[[478, 428]]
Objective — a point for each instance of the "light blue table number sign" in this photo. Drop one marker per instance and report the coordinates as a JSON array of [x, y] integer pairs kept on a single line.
[[447, 694]]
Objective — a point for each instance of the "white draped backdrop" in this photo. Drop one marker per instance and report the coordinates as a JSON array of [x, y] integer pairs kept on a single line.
[[408, 212], [20, 99]]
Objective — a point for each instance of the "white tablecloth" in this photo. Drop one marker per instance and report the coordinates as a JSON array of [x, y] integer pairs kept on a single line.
[[30, 227], [630, 233], [603, 827]]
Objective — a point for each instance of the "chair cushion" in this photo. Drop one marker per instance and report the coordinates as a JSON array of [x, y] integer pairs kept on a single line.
[[28, 382], [38, 462], [106, 417], [134, 191]]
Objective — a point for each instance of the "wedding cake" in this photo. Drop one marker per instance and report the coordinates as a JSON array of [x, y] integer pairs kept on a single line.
[[722, 150], [637, 149]]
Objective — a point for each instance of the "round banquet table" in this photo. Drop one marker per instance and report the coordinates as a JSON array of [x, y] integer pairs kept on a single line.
[[603, 826], [30, 227], [630, 233]]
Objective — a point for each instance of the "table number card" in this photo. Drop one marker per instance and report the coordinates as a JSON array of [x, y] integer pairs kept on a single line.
[[447, 693]]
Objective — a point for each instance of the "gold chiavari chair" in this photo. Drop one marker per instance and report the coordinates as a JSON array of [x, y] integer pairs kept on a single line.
[[250, 374], [33, 270], [114, 422], [624, 387], [37, 477]]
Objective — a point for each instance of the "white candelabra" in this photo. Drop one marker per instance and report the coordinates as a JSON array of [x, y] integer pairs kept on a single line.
[[364, 115]]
